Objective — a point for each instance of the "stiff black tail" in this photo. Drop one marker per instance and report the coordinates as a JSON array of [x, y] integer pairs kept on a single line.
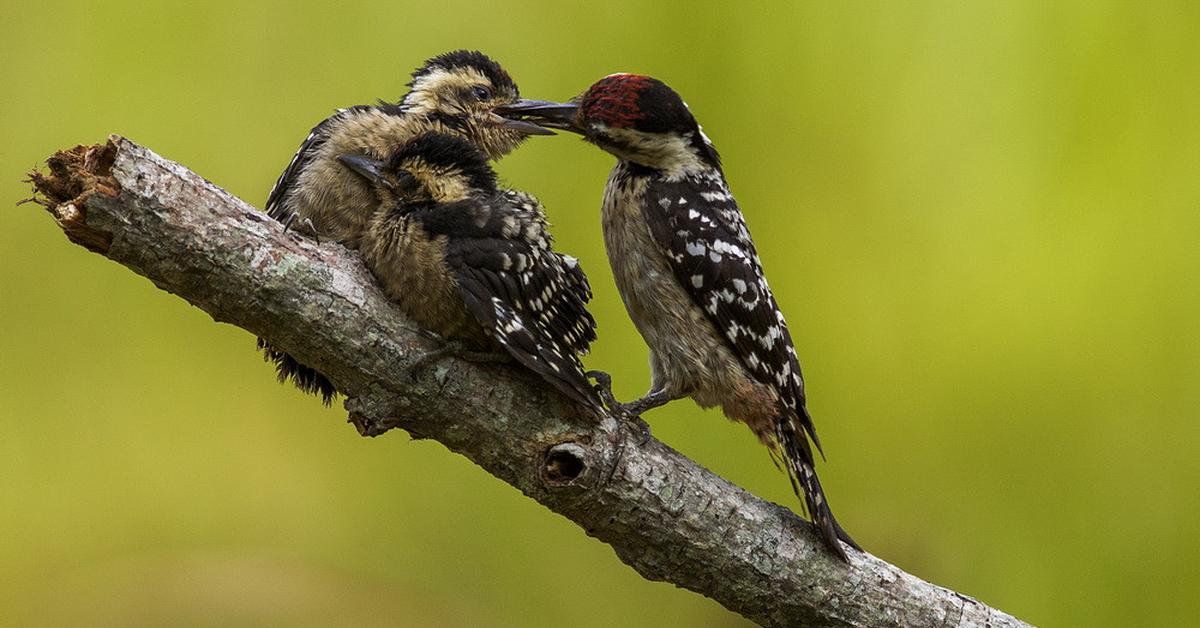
[[306, 378], [798, 457]]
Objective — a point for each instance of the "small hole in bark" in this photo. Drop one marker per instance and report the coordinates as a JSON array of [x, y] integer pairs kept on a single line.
[[564, 462]]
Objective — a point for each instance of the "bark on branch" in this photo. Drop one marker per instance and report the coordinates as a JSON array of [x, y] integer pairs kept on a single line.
[[664, 515]]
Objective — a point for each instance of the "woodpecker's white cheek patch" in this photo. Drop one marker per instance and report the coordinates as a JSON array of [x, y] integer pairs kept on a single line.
[[669, 152]]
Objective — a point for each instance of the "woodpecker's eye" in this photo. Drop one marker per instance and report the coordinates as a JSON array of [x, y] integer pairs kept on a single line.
[[481, 92]]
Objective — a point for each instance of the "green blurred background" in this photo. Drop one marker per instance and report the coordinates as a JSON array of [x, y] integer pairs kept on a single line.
[[980, 218]]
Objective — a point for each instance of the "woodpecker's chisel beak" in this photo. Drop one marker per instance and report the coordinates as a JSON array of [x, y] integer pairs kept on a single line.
[[520, 126], [544, 113], [369, 169]]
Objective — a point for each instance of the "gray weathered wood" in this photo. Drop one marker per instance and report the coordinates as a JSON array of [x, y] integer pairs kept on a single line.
[[664, 515]]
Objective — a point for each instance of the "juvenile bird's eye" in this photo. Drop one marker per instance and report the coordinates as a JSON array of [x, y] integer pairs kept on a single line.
[[481, 92]]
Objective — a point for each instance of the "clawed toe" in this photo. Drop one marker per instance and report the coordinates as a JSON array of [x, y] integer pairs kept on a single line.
[[603, 388], [307, 223], [628, 414]]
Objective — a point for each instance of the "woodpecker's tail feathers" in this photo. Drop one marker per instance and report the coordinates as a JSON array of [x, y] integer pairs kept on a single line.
[[799, 461], [306, 378], [844, 536], [810, 429]]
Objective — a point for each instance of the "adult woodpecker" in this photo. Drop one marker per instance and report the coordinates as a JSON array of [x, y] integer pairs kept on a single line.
[[473, 262], [453, 93], [689, 273]]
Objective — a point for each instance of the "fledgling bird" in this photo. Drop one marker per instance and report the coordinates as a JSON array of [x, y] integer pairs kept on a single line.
[[453, 93], [689, 273], [473, 262]]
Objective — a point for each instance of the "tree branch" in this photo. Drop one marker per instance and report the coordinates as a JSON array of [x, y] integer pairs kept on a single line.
[[664, 515]]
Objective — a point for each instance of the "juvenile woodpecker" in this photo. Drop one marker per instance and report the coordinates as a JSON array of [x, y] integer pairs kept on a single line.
[[689, 273], [452, 93], [473, 262]]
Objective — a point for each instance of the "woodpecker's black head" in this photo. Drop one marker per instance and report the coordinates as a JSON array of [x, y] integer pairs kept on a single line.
[[460, 90], [637, 118], [430, 168]]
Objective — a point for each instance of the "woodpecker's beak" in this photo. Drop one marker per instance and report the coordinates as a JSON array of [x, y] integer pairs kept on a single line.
[[401, 181], [520, 126], [367, 168], [544, 113]]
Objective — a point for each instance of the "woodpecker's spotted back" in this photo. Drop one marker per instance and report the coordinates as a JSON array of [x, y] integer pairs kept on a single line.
[[474, 262], [690, 275], [453, 93]]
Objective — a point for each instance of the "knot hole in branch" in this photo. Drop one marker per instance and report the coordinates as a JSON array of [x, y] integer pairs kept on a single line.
[[564, 463]]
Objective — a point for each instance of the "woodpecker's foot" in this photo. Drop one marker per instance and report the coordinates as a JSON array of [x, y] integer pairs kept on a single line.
[[628, 422], [636, 427], [603, 388], [633, 408], [456, 349], [307, 223], [651, 401], [632, 413]]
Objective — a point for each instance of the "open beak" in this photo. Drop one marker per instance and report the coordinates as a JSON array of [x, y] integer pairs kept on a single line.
[[520, 126], [369, 169], [541, 113]]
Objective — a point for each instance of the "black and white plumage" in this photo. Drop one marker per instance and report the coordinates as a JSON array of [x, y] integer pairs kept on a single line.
[[696, 221], [690, 275], [453, 93], [475, 263]]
